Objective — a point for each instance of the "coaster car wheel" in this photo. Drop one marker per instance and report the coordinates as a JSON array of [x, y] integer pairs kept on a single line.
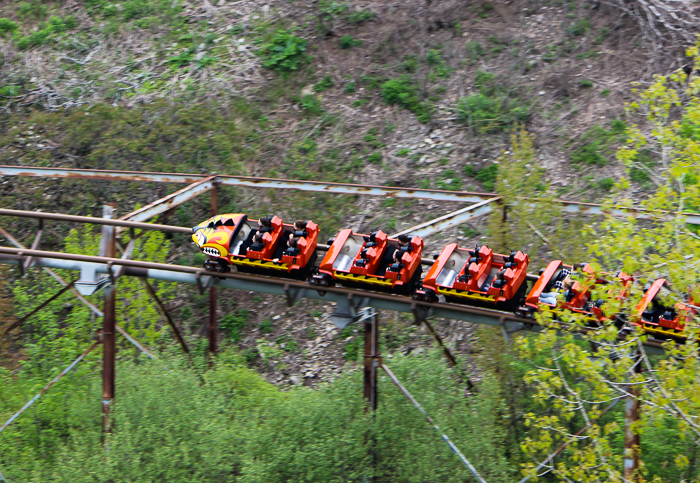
[[219, 265], [322, 280], [425, 295]]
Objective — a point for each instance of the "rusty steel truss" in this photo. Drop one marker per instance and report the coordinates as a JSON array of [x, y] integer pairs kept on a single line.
[[100, 273]]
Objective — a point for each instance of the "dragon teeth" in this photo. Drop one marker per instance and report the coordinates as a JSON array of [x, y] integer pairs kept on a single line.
[[211, 251]]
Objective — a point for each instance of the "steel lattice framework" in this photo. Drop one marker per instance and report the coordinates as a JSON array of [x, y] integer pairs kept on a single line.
[[101, 272]]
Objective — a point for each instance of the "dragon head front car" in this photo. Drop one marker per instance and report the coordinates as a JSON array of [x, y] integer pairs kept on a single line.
[[214, 235]]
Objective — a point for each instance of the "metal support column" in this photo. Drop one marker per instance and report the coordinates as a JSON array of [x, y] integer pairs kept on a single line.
[[213, 325], [631, 435], [372, 360], [108, 249]]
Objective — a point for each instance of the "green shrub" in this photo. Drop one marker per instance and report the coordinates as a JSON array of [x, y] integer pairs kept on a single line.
[[435, 60], [7, 26], [474, 50], [490, 114], [348, 42], [483, 79], [34, 9], [403, 92], [324, 84], [487, 176], [372, 82], [468, 170], [234, 323], [637, 173], [586, 83], [284, 53], [374, 157], [403, 152], [410, 64], [55, 25], [598, 144], [588, 154], [470, 232], [266, 326], [493, 108], [349, 88], [606, 184], [605, 93], [359, 102], [579, 28], [183, 58], [311, 105], [360, 16]]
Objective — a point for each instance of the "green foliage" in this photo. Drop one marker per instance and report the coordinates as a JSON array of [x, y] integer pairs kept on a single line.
[[403, 152], [284, 53], [374, 157], [469, 170], [585, 83], [182, 59], [348, 42], [324, 84], [487, 176], [349, 88], [490, 114], [606, 184], [597, 145], [439, 68], [7, 26], [579, 28], [266, 326], [666, 388], [474, 50], [158, 136], [360, 16], [234, 323], [34, 9], [403, 92], [169, 427], [469, 231], [493, 108], [47, 31], [605, 93], [372, 82], [311, 105], [410, 63]]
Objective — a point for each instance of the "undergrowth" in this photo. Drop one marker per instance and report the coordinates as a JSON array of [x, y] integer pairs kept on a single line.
[[494, 108]]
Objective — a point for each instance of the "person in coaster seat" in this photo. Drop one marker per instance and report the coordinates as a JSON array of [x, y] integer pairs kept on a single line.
[[264, 226], [291, 249], [258, 243], [393, 254], [559, 289], [300, 229]]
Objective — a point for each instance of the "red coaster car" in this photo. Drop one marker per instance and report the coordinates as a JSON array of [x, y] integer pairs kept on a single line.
[[257, 247], [477, 277], [569, 287], [372, 262], [659, 317]]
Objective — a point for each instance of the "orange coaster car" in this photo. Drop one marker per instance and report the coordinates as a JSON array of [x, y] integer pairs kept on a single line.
[[660, 318], [569, 287], [477, 277], [253, 247], [372, 261]]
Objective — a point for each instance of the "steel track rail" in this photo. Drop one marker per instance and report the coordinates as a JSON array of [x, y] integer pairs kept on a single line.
[[97, 221], [318, 187], [292, 289], [247, 182]]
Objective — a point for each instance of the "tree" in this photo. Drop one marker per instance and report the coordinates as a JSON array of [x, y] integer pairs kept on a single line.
[[574, 383]]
